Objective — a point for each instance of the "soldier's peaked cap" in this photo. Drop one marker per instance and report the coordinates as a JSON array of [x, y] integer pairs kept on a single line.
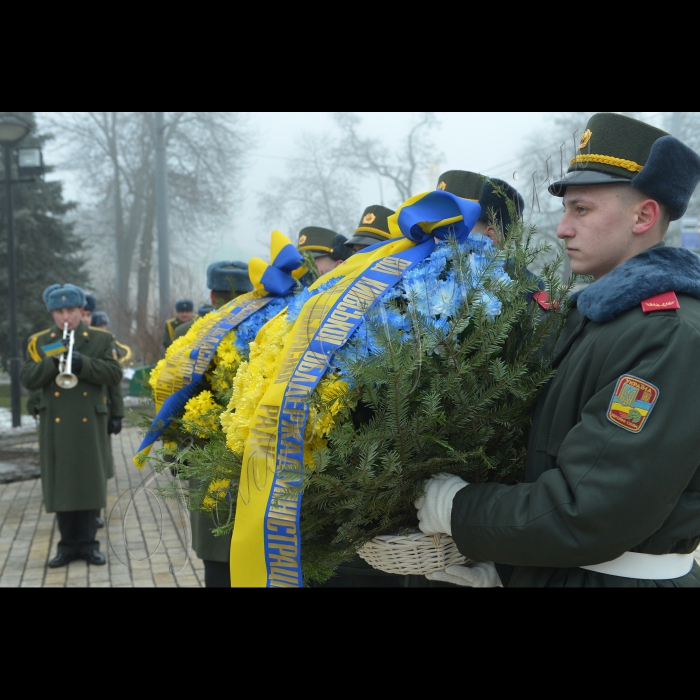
[[184, 305], [229, 276], [494, 199], [63, 296], [462, 183], [316, 240], [615, 148], [373, 227]]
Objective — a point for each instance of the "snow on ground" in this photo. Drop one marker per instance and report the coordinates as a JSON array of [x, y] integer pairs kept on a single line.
[[28, 424]]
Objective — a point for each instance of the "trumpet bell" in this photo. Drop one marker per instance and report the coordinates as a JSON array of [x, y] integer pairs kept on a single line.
[[66, 380]]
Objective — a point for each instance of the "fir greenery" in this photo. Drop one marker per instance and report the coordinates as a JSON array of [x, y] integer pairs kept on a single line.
[[48, 251], [448, 395]]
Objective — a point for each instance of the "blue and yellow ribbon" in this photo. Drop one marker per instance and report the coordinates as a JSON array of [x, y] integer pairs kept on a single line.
[[184, 369], [266, 545]]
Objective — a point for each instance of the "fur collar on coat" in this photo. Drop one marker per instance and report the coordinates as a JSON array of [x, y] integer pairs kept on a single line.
[[655, 271]]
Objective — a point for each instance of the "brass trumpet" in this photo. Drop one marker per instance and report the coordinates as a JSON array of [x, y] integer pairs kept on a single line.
[[66, 379]]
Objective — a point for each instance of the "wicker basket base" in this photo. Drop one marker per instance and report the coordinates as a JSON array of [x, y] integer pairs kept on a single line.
[[414, 553]]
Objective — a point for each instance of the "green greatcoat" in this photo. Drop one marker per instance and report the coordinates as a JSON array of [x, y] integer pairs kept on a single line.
[[73, 441], [594, 490], [205, 544]]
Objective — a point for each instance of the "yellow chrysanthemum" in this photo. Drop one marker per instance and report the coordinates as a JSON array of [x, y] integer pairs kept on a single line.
[[176, 345], [252, 379], [203, 411], [226, 363]]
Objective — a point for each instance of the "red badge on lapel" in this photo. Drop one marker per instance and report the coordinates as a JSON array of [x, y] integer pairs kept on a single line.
[[542, 298], [661, 302]]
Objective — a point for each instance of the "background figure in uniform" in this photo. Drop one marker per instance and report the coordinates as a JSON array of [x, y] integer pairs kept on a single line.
[[325, 246], [115, 395], [184, 311], [373, 228], [204, 309], [226, 280], [230, 280], [89, 309], [73, 440], [471, 186]]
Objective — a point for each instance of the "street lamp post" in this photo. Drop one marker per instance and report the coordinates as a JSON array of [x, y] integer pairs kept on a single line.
[[12, 130]]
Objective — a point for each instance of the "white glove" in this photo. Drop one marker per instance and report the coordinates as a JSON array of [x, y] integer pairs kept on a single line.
[[480, 575], [435, 506]]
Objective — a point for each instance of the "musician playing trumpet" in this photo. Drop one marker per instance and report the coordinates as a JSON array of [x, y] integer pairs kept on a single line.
[[73, 440]]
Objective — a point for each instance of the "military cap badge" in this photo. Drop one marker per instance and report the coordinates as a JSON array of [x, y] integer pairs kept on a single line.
[[368, 218], [302, 239], [585, 138], [442, 186]]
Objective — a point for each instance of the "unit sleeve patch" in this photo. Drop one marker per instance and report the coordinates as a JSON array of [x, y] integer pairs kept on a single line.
[[632, 402]]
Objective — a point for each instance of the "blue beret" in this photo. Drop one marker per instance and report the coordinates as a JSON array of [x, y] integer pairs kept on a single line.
[[184, 305], [90, 302], [100, 318], [228, 276], [64, 296]]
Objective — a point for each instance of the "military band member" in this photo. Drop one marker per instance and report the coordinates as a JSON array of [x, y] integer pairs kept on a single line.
[[73, 439], [373, 228], [184, 312], [610, 496], [115, 395], [90, 308]]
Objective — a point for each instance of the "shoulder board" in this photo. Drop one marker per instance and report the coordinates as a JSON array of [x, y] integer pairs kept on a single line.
[[661, 302], [100, 330], [542, 298], [31, 348]]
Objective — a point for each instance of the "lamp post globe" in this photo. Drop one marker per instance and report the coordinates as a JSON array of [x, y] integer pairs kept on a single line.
[[12, 129]]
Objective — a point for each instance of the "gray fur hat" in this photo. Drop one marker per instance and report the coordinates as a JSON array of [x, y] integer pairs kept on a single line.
[[63, 296], [229, 276]]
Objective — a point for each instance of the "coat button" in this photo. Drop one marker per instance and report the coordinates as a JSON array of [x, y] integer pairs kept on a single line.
[[85, 333], [84, 420], [58, 393], [85, 393], [58, 420]]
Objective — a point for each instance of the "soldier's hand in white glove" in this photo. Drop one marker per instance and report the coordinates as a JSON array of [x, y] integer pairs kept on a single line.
[[480, 575], [435, 506]]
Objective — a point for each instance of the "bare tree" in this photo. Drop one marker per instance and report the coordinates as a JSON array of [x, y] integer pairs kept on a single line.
[[403, 169], [113, 152], [318, 190]]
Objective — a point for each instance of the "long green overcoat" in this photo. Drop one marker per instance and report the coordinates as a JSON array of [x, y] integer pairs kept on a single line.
[[73, 442], [597, 486]]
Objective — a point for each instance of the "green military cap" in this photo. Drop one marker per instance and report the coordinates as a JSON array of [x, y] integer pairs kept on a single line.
[[461, 183], [316, 240], [374, 226], [615, 148]]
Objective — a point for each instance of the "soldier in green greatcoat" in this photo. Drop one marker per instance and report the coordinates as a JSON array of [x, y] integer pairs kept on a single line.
[[226, 280], [184, 312], [611, 496], [73, 439]]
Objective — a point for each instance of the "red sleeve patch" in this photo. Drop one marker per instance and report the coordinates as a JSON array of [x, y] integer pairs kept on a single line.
[[542, 298], [661, 302]]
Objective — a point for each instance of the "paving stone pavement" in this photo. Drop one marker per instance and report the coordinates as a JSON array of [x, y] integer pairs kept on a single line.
[[155, 530]]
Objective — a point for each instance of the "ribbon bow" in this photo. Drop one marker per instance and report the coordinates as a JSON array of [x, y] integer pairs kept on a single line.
[[287, 266], [437, 214]]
